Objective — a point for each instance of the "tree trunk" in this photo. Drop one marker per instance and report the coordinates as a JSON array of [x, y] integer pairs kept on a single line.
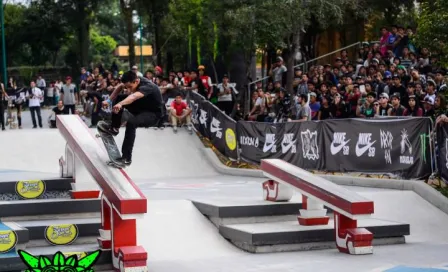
[[157, 45], [292, 52], [127, 15], [83, 33]]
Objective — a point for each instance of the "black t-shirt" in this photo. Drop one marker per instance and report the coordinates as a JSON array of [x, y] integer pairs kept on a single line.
[[58, 111], [152, 100]]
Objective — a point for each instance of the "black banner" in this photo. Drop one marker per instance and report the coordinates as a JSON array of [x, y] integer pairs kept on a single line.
[[213, 124], [442, 152], [400, 147]]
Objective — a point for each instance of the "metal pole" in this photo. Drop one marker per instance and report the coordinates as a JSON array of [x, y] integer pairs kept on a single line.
[[5, 72], [141, 45]]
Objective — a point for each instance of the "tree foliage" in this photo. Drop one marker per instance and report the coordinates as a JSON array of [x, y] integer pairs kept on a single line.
[[432, 31]]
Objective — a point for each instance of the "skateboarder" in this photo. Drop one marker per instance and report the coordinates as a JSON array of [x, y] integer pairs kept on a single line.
[[144, 103]]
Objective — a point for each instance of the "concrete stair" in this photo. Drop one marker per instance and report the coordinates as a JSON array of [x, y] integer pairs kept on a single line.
[[259, 226], [44, 220]]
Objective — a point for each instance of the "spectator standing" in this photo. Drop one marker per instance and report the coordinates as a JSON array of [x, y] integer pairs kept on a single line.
[[35, 96], [69, 96], [304, 111], [225, 97], [42, 85], [314, 106], [3, 96], [277, 70], [206, 81]]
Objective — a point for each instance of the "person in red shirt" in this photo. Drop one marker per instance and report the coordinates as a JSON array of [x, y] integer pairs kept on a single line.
[[206, 80], [180, 114]]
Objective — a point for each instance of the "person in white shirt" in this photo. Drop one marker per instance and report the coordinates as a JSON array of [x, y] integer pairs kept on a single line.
[[225, 101], [35, 96]]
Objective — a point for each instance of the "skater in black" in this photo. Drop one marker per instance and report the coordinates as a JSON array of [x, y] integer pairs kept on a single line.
[[145, 105]]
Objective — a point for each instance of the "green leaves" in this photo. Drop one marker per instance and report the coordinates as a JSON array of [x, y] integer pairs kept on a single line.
[[59, 262], [433, 28]]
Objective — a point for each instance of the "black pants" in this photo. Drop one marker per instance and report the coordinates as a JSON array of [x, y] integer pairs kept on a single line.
[[135, 120], [68, 108], [34, 111], [226, 106], [2, 114]]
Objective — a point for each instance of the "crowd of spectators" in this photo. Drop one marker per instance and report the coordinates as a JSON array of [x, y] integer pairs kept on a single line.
[[388, 78]]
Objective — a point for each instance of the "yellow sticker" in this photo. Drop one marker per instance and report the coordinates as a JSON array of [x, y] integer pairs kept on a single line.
[[8, 240], [230, 139], [30, 189], [79, 254], [61, 234]]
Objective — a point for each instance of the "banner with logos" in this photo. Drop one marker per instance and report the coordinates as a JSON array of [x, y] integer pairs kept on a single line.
[[442, 151], [213, 124], [401, 147], [395, 146]]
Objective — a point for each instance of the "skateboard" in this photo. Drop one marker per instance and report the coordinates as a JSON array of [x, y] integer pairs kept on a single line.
[[111, 148]]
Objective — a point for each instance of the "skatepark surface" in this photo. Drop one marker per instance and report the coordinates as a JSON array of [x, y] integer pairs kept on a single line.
[[170, 169]]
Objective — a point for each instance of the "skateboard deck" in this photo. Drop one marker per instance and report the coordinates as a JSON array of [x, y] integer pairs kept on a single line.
[[111, 148]]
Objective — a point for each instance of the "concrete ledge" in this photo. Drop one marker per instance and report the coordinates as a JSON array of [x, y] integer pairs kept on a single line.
[[53, 206], [59, 184], [419, 187], [311, 246], [278, 233]]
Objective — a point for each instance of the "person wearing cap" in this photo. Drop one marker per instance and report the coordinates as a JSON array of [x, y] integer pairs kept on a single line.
[[277, 70], [384, 106], [196, 85], [69, 96], [314, 106], [206, 81], [431, 89], [428, 107], [158, 70], [136, 71], [225, 97], [397, 86], [397, 109], [413, 108], [367, 109], [145, 108]]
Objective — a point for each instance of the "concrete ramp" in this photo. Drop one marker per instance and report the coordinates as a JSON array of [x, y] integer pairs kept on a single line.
[[161, 154], [175, 230]]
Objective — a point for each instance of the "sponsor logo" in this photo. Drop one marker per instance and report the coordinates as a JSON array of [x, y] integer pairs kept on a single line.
[[310, 148], [365, 144], [203, 117], [30, 189], [230, 139], [249, 141], [8, 240], [269, 144], [215, 127], [406, 146], [61, 261], [289, 143], [195, 115], [386, 144], [339, 143], [61, 234], [423, 139]]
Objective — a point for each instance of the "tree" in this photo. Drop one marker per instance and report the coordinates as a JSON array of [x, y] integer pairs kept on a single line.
[[101, 47], [127, 11], [432, 31]]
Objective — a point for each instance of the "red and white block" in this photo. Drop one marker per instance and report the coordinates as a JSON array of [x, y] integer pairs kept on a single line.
[[351, 239], [318, 193], [84, 185]]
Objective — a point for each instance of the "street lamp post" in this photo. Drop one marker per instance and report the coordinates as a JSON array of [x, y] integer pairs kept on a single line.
[[5, 75]]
